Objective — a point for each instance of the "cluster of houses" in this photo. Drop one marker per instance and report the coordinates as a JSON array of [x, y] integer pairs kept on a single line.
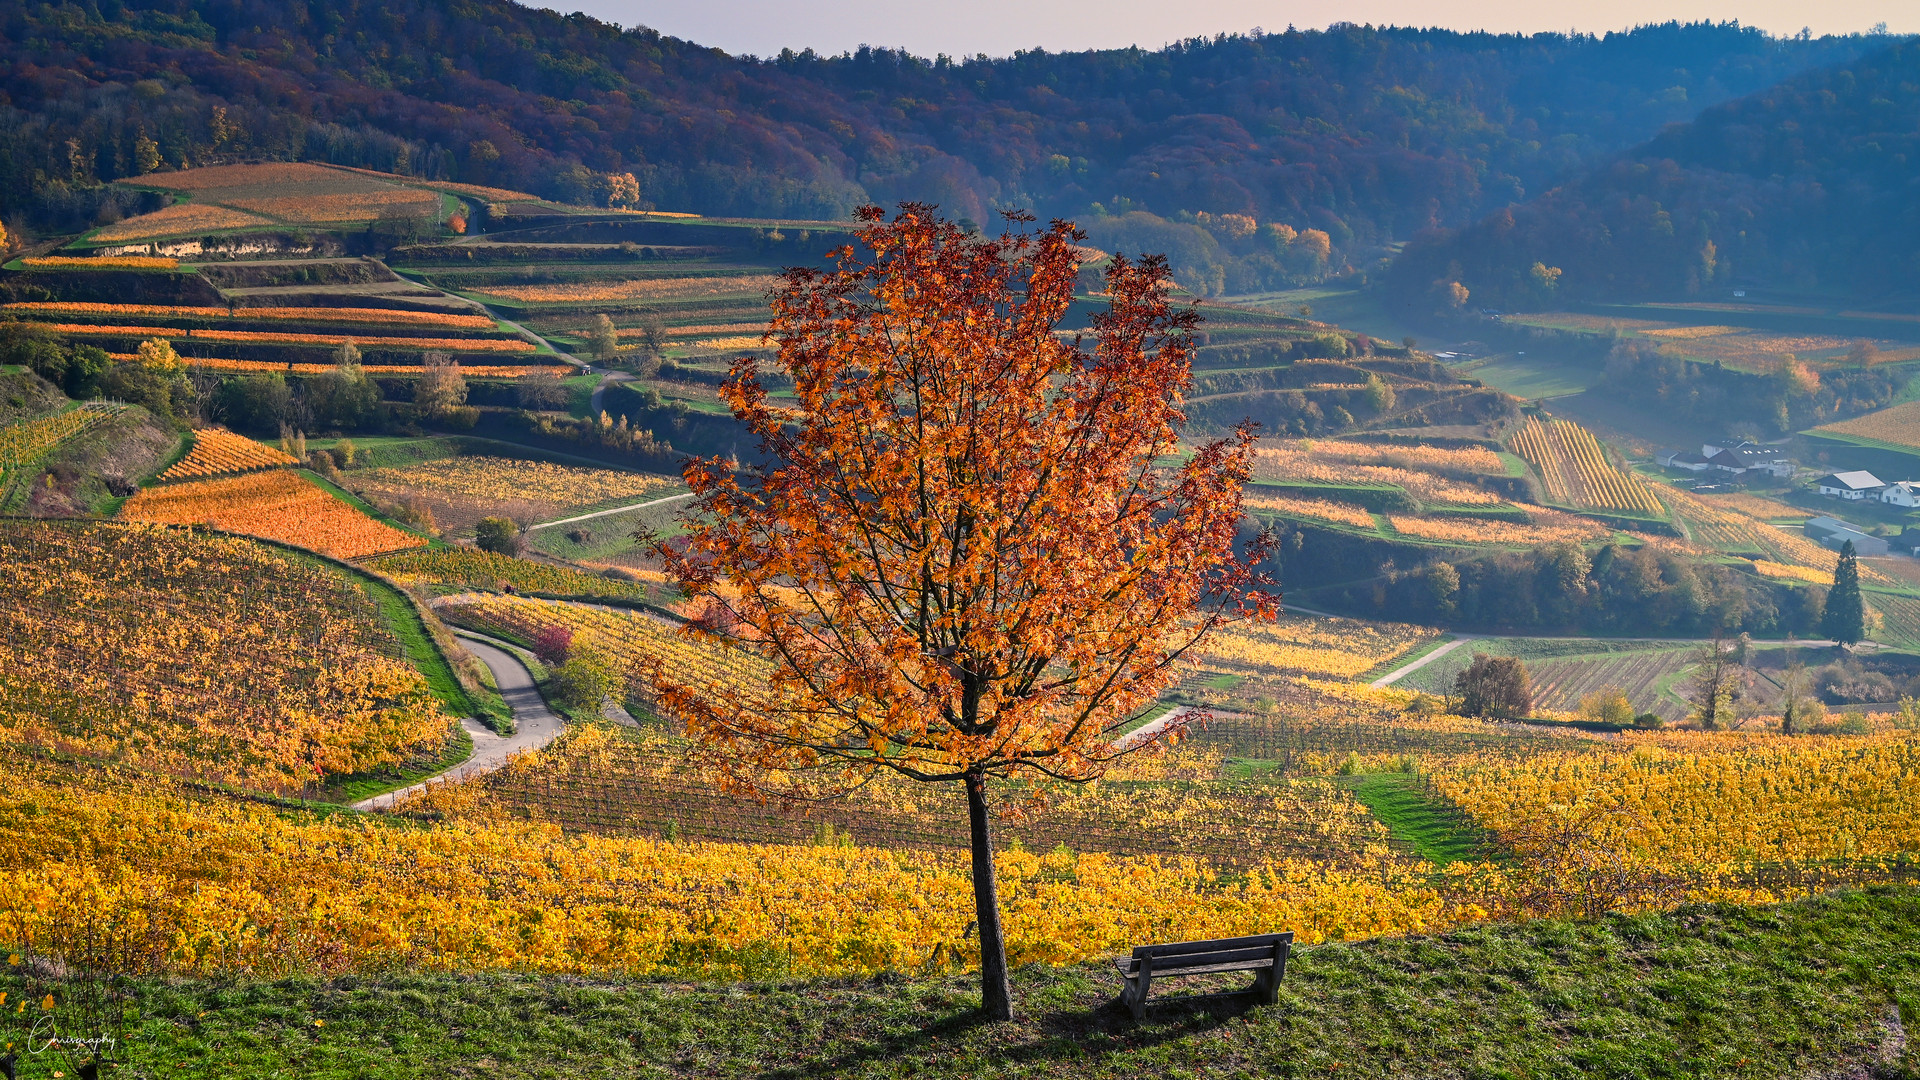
[[1859, 485], [1856, 485]]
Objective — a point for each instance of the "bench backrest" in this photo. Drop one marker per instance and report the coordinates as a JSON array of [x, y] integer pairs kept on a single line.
[[1222, 951]]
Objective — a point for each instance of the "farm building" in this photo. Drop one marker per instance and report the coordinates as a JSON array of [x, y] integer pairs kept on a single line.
[[1901, 493], [1745, 457], [1855, 484], [1684, 459], [1832, 532]]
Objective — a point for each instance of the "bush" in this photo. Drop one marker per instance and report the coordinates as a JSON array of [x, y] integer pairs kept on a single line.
[[497, 535], [1495, 686], [1607, 706], [553, 645], [580, 683]]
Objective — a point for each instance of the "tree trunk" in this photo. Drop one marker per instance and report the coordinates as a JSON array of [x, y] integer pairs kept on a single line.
[[996, 994]]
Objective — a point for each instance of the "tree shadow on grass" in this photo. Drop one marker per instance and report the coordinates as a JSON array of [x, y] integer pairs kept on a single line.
[[1088, 1028]]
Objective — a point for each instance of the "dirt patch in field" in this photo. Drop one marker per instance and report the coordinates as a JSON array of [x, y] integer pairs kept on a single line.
[[101, 464], [25, 394]]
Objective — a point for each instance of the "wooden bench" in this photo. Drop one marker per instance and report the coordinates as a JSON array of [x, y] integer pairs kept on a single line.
[[1264, 953]]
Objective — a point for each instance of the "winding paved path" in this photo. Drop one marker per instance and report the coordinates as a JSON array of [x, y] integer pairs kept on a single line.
[[534, 724]]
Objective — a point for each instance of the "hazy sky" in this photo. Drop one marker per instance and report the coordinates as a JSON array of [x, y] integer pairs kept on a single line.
[[998, 27]]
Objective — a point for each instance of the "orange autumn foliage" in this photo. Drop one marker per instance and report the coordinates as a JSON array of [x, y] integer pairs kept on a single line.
[[969, 561]]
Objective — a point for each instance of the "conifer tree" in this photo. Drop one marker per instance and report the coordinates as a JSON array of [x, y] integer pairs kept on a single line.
[[1845, 620]]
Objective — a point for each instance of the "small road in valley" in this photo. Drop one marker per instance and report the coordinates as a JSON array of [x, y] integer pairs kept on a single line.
[[1467, 639], [615, 510], [1409, 669], [534, 725]]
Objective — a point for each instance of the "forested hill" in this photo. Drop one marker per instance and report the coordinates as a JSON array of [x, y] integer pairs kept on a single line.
[[1811, 186], [1361, 134]]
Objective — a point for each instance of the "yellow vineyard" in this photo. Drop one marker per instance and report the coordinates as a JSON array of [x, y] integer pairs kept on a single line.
[[1576, 471], [217, 451], [279, 505]]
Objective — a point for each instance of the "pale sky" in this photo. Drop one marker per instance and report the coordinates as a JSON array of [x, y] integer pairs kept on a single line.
[[998, 27]]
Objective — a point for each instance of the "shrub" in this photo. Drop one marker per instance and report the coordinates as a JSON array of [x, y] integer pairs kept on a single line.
[[580, 683], [1495, 686], [1607, 706], [498, 535], [553, 645]]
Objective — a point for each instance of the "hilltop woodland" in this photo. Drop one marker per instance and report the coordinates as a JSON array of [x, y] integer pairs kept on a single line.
[[1805, 187], [1252, 161]]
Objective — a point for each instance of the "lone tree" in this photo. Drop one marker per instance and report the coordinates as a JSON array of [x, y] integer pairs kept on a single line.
[[1718, 681], [967, 556], [603, 339], [1495, 686], [1845, 620], [498, 535]]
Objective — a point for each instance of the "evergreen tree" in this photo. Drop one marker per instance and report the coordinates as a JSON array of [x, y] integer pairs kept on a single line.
[[1845, 620]]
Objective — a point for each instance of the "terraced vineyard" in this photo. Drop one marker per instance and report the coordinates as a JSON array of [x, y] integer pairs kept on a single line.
[[1559, 683], [634, 646], [460, 491], [642, 783], [25, 440], [217, 452], [1576, 471], [278, 505]]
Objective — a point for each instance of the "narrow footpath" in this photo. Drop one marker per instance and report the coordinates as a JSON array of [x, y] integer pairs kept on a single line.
[[615, 510], [535, 725]]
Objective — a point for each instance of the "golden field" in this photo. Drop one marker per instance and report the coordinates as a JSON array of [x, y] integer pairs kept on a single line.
[[217, 451], [638, 289], [202, 656], [278, 505], [463, 490]]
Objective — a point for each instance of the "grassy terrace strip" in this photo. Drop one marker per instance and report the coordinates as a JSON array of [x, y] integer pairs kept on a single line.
[[264, 337], [1818, 987], [388, 316], [1429, 827]]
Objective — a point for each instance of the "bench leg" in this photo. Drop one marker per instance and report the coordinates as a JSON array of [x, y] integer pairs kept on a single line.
[[1133, 992], [1266, 985]]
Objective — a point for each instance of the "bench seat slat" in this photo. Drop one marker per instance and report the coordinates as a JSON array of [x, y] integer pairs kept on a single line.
[[1204, 969], [1177, 948], [1167, 964]]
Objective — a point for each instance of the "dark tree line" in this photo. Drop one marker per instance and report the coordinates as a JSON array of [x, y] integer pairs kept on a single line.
[[1806, 185], [1719, 398], [1561, 588], [1260, 158]]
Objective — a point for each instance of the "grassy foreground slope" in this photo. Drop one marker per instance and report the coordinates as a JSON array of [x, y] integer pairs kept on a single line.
[[1816, 988]]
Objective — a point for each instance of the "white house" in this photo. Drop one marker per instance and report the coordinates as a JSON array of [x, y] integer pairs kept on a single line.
[[1901, 494], [1857, 484]]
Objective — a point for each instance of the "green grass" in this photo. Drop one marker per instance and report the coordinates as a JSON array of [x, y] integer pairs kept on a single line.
[[1801, 989], [425, 654], [1432, 830], [1530, 378], [1348, 308]]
